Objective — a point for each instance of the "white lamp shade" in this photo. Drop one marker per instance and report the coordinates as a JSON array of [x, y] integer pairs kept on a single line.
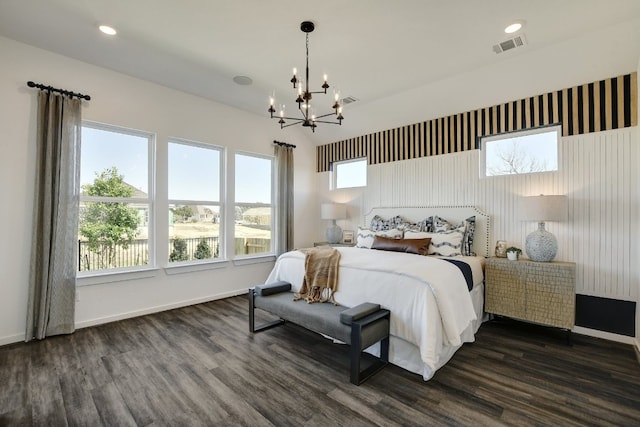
[[333, 211], [543, 208]]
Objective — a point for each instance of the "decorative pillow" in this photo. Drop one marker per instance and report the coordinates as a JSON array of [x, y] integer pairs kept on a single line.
[[365, 236], [404, 224], [447, 243], [379, 224], [440, 224], [467, 241], [467, 227], [411, 246]]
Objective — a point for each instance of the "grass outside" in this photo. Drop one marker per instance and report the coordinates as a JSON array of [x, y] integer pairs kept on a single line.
[[190, 230]]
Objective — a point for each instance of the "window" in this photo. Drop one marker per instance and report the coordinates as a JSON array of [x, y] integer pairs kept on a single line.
[[195, 182], [116, 202], [254, 204], [530, 151], [350, 173]]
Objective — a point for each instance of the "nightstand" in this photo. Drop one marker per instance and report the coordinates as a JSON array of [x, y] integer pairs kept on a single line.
[[333, 244], [538, 292]]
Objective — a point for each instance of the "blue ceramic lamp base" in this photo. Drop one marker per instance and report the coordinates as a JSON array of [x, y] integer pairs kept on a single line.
[[541, 245], [334, 233]]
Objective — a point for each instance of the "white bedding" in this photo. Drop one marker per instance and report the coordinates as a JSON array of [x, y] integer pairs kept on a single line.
[[432, 310]]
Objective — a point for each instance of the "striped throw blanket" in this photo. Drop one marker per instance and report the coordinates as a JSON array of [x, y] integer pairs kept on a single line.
[[320, 281]]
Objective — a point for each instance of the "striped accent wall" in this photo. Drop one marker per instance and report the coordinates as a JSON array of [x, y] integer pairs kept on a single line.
[[597, 171], [592, 107]]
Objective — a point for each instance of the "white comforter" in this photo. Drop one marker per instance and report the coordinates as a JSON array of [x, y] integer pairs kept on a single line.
[[428, 297]]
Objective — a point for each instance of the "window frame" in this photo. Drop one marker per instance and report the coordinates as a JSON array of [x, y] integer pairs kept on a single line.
[[272, 205], [483, 140], [222, 254], [149, 201], [334, 172]]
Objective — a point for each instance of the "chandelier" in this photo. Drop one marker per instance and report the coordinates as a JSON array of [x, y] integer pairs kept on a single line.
[[308, 118]]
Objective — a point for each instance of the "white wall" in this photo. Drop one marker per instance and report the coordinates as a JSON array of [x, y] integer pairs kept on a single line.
[[637, 261], [124, 101], [598, 173]]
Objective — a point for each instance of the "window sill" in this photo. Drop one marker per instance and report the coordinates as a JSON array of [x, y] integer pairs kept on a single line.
[[192, 267], [116, 276], [247, 260]]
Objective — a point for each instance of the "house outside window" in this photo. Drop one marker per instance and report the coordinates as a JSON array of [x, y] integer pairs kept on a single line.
[[254, 211], [116, 199], [195, 206]]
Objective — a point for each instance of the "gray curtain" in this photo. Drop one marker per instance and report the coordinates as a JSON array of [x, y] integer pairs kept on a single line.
[[52, 281], [284, 197]]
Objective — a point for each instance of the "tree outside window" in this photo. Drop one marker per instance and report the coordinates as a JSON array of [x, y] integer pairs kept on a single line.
[[115, 205]]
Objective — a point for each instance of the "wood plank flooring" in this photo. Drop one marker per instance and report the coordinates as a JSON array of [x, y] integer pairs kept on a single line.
[[199, 366]]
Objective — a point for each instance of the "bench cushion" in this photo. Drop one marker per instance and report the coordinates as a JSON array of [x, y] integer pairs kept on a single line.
[[323, 318]]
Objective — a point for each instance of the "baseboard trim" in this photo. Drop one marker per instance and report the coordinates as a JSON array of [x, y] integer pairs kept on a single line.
[[12, 339], [157, 309], [605, 335], [637, 348]]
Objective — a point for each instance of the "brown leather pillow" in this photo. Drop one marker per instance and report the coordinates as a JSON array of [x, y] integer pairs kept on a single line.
[[411, 246]]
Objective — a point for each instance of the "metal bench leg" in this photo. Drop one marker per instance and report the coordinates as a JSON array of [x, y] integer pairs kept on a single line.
[[252, 317], [357, 376]]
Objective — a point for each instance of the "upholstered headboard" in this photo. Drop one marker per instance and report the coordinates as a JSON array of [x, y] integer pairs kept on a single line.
[[453, 214]]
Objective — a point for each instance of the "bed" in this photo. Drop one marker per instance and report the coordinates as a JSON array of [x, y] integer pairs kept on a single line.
[[436, 301]]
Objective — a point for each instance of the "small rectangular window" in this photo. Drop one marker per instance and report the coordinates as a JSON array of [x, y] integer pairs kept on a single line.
[[195, 224], [350, 173], [531, 151], [254, 212], [115, 199]]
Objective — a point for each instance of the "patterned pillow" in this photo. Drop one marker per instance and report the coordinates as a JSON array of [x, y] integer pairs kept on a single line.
[[446, 243], [469, 230], [466, 227], [378, 223], [365, 236]]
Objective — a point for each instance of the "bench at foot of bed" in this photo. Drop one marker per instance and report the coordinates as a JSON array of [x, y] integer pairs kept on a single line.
[[360, 326]]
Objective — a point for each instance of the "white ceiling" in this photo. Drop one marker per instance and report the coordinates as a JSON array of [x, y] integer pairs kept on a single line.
[[372, 50]]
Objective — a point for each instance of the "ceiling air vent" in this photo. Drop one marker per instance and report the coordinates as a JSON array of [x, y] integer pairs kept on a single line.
[[348, 100], [512, 43]]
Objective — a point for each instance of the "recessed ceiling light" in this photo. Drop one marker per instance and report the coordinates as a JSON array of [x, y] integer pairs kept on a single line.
[[243, 80], [513, 27], [110, 31]]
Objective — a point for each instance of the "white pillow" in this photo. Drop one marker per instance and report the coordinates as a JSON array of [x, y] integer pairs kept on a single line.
[[365, 237], [446, 243]]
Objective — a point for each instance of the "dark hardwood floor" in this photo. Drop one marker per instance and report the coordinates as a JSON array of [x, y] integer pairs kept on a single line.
[[200, 366]]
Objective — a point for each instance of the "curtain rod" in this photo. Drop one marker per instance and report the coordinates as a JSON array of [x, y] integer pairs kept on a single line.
[[284, 144], [54, 89]]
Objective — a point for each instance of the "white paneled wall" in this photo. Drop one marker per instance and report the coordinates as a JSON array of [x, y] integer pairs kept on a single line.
[[598, 172]]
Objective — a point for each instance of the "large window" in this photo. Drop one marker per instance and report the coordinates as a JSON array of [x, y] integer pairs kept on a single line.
[[195, 222], [116, 203], [253, 204], [350, 173], [531, 151]]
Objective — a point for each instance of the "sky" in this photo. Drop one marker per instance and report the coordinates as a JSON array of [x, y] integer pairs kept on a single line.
[[192, 169], [542, 146]]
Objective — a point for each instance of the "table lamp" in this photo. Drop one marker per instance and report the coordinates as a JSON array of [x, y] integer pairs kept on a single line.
[[333, 211], [541, 245]]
